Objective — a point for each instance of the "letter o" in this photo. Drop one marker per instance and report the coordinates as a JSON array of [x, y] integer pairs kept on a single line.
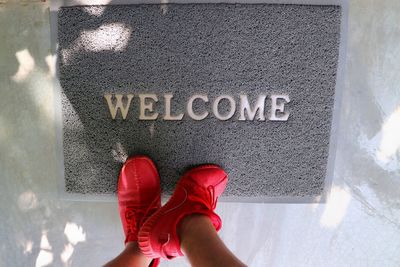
[[232, 104]]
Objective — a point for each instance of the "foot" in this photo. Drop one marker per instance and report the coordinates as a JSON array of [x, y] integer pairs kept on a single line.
[[138, 194], [197, 192]]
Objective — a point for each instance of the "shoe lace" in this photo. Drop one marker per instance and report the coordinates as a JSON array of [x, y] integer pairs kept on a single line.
[[135, 215], [131, 215]]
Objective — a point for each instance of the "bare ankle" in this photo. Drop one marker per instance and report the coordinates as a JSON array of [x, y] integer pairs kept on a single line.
[[199, 239], [190, 223]]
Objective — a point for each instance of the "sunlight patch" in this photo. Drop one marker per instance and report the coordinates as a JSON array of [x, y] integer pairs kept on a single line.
[[74, 233], [336, 207], [107, 37], [44, 242], [27, 201], [28, 245], [44, 258], [390, 142], [95, 10], [384, 147], [119, 153], [26, 65], [51, 61], [113, 36], [67, 253]]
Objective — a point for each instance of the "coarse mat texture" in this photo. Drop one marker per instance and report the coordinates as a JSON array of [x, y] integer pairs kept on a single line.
[[199, 49]]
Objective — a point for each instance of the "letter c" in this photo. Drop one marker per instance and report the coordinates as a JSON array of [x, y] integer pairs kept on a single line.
[[190, 107]]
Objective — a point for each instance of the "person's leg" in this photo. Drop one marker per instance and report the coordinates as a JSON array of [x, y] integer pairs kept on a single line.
[[131, 256], [187, 223], [201, 244]]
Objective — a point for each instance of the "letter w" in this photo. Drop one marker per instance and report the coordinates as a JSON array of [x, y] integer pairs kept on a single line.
[[118, 105]]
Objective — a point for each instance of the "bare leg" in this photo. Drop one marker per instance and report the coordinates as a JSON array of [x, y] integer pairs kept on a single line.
[[131, 256], [202, 245]]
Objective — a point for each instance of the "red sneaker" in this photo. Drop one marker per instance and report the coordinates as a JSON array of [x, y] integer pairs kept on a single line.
[[197, 192], [138, 194]]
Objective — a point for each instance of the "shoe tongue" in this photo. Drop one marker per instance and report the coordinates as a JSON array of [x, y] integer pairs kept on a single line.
[[207, 177]]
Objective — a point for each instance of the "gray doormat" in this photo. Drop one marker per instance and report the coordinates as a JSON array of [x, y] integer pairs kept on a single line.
[[216, 52]]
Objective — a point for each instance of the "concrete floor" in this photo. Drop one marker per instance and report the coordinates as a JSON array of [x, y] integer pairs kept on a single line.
[[358, 226]]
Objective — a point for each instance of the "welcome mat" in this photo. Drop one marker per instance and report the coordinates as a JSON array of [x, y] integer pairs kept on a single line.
[[248, 87]]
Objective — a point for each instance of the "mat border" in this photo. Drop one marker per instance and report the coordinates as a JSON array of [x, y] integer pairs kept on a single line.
[[339, 87]]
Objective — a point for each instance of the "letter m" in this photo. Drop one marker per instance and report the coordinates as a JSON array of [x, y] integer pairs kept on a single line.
[[118, 105], [245, 106]]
